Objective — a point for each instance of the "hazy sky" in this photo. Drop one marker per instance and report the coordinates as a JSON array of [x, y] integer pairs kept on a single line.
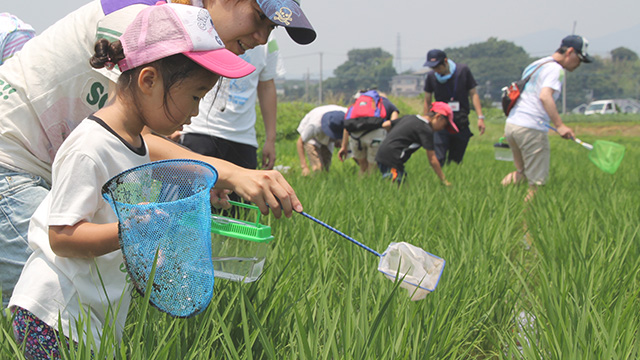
[[419, 25]]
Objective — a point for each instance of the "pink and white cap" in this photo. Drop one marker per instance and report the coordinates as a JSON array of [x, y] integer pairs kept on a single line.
[[167, 29]]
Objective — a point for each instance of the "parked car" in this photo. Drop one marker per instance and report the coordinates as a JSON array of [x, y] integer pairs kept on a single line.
[[579, 109], [602, 107]]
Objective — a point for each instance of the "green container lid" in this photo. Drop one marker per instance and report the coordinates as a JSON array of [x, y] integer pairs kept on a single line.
[[241, 229], [501, 143]]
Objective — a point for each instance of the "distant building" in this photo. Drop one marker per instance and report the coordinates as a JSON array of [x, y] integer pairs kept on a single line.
[[409, 85], [280, 85]]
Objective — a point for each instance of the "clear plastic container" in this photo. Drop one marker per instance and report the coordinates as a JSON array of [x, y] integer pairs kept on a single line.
[[502, 150], [239, 247]]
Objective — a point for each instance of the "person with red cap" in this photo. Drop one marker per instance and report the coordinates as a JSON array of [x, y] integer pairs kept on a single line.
[[407, 135]]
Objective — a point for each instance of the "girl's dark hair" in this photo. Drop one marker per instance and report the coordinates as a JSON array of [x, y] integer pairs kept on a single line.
[[173, 69], [106, 54]]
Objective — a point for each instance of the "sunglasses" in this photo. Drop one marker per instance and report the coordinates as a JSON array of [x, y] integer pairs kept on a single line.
[[579, 55]]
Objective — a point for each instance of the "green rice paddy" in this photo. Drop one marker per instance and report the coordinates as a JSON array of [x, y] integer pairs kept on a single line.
[[573, 293]]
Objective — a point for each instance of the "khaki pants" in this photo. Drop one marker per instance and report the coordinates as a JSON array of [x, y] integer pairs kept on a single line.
[[319, 156], [531, 152], [368, 145]]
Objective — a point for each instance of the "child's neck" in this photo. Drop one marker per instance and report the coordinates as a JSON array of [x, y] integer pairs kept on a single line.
[[125, 123], [425, 118]]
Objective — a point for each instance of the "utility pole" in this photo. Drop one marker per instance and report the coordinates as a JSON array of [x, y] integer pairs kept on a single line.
[[398, 55], [320, 83], [306, 86]]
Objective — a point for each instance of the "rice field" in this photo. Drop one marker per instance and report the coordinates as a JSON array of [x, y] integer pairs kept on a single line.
[[571, 292]]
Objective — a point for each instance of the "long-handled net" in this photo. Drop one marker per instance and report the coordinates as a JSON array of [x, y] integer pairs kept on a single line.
[[418, 270], [606, 155], [163, 208]]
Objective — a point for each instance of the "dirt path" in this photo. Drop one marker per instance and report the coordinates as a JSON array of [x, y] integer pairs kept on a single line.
[[627, 130]]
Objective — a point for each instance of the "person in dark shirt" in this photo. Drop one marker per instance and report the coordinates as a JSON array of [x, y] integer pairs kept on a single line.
[[408, 134], [453, 84]]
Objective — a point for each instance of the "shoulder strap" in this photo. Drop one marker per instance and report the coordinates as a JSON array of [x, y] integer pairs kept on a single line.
[[377, 101], [536, 69]]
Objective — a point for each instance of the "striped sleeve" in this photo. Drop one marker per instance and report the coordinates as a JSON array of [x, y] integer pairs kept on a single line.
[[14, 42]]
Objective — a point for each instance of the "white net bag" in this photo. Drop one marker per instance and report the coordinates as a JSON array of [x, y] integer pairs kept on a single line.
[[418, 270]]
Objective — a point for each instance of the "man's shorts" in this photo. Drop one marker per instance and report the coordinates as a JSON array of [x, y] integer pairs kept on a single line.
[[531, 148], [368, 145], [319, 156]]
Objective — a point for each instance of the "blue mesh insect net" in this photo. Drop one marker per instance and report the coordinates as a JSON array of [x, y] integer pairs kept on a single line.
[[163, 207]]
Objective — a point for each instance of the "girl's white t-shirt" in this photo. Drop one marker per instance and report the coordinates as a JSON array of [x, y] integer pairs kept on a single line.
[[54, 287]]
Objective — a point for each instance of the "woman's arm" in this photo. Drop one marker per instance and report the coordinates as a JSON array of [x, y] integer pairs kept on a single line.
[[268, 189]]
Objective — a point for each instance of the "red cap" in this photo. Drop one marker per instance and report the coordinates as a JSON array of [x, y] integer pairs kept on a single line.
[[442, 108]]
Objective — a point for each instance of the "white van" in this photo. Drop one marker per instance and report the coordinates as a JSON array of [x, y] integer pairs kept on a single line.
[[601, 107]]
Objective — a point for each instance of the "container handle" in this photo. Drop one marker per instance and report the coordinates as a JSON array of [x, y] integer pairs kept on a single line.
[[247, 206]]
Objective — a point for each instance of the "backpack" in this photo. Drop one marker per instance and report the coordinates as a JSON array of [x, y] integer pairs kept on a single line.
[[512, 92], [367, 113]]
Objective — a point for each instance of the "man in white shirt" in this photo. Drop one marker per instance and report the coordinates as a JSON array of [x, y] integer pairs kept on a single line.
[[528, 122], [320, 131], [225, 125]]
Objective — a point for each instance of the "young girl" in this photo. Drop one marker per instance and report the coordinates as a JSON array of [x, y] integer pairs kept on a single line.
[[170, 57], [42, 101]]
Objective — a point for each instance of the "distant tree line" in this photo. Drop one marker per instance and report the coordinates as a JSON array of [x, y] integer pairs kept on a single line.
[[494, 64]]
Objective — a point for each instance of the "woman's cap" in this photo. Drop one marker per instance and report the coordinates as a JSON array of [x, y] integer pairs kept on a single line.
[[168, 29], [287, 13], [443, 108]]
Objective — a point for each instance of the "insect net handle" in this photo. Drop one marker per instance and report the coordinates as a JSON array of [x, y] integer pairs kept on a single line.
[[341, 234], [586, 145]]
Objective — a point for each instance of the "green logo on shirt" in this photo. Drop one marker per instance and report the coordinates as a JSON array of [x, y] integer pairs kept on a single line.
[[6, 90], [97, 95]]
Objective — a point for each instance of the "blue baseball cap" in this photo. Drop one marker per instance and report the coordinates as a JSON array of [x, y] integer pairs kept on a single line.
[[332, 124], [287, 13], [580, 45], [434, 58]]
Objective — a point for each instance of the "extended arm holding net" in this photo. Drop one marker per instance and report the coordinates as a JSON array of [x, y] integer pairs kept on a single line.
[[586, 145]]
